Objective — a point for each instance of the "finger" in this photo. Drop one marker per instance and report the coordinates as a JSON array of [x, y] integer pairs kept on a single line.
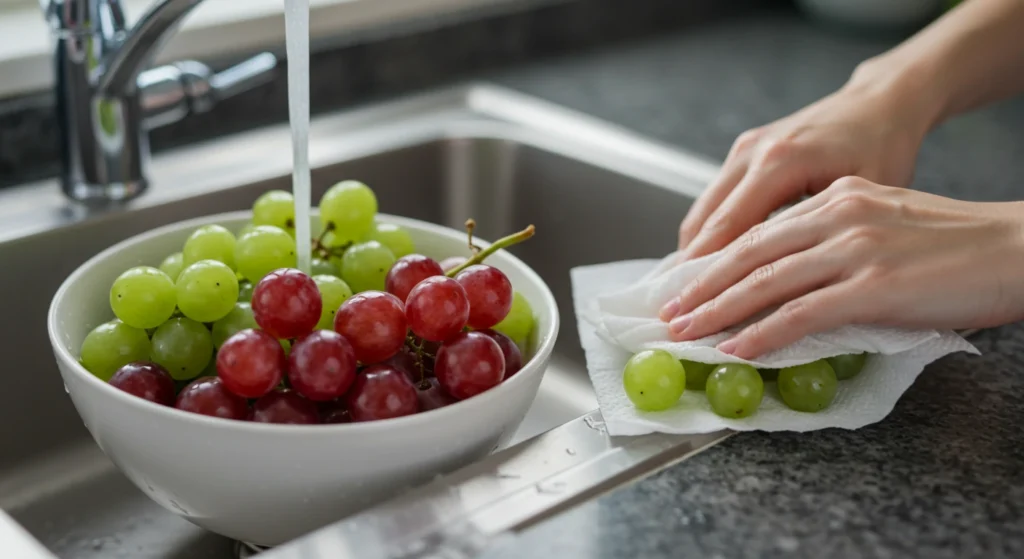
[[712, 197], [830, 307], [767, 286], [764, 188], [763, 244]]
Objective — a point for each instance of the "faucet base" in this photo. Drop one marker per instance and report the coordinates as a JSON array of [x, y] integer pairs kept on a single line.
[[103, 194]]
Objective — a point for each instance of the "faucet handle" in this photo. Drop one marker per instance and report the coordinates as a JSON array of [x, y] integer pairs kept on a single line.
[[171, 92]]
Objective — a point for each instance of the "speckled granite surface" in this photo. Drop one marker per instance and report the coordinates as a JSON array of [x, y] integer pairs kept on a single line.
[[942, 476]]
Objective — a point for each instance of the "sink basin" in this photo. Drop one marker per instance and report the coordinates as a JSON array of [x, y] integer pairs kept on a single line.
[[595, 193]]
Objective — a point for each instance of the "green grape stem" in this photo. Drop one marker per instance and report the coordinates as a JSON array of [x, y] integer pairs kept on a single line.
[[417, 346], [470, 226], [504, 242], [325, 252]]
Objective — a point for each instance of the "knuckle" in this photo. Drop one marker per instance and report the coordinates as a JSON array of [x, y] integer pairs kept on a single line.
[[762, 277], [748, 243], [849, 184], [793, 313], [747, 140], [852, 204], [778, 150]]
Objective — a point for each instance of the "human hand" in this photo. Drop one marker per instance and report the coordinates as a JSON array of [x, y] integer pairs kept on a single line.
[[860, 253], [872, 131]]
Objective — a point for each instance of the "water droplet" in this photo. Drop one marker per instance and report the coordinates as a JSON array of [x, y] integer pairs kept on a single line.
[[66, 389], [595, 423], [570, 452]]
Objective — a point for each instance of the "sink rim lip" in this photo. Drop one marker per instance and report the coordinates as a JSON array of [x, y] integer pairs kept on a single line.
[[493, 396]]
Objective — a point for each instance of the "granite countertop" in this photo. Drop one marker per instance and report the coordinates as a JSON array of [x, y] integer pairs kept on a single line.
[[941, 476]]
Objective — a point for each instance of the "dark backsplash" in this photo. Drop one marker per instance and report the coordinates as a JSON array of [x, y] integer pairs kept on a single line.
[[385, 62]]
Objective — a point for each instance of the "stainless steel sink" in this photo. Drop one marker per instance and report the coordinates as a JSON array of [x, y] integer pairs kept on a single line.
[[595, 192]]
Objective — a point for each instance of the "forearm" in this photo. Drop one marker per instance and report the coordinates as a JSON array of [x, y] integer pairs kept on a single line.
[[970, 57]]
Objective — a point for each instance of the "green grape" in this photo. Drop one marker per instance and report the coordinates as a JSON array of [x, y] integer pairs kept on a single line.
[[240, 318], [518, 323], [263, 250], [365, 266], [348, 208], [247, 228], [207, 291], [398, 240], [182, 346], [277, 208], [245, 289], [808, 388], [173, 265], [143, 297], [696, 374], [734, 390], [848, 366], [654, 380], [210, 242], [769, 375], [321, 267], [111, 346], [333, 292]]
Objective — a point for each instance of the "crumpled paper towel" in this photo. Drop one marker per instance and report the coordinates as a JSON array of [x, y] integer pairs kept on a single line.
[[617, 306]]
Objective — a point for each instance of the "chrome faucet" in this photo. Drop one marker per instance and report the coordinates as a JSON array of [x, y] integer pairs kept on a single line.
[[107, 101]]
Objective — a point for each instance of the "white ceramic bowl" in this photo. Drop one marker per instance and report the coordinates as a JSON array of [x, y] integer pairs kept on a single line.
[[267, 484]]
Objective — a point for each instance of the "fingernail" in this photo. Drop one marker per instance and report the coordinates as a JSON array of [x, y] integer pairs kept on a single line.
[[680, 323], [670, 310], [728, 346]]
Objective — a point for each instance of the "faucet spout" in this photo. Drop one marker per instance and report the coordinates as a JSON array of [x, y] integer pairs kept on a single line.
[[107, 99], [121, 70]]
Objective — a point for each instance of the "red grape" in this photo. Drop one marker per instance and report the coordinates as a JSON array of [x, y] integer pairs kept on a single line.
[[432, 396], [381, 392], [322, 365], [146, 380], [489, 293], [452, 262], [405, 361], [374, 323], [469, 364], [509, 349], [208, 396], [251, 363], [285, 406], [286, 304], [408, 271], [437, 308], [334, 411]]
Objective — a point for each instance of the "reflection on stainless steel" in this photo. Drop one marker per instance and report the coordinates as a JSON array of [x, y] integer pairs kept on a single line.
[[107, 102], [462, 514], [478, 151]]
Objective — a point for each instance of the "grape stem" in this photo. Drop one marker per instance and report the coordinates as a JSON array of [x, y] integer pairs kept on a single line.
[[501, 243], [325, 252], [470, 226]]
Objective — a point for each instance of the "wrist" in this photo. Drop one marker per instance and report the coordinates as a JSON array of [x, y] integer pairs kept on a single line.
[[910, 92]]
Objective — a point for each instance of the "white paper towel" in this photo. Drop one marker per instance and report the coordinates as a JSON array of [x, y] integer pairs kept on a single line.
[[618, 303]]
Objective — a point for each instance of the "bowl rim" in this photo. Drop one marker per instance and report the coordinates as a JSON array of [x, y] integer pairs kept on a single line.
[[490, 397]]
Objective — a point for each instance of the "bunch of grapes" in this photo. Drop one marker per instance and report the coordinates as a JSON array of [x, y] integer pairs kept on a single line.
[[229, 328], [654, 380]]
